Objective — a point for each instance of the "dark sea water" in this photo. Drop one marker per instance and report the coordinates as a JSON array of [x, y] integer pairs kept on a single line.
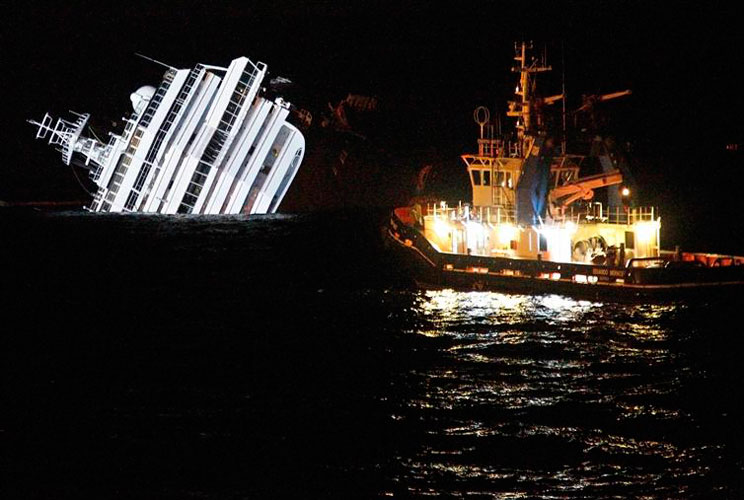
[[285, 356]]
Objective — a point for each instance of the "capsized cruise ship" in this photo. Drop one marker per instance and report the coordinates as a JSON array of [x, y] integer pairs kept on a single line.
[[205, 141]]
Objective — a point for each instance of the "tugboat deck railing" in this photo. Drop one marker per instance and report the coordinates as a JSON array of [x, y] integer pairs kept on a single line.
[[594, 213]]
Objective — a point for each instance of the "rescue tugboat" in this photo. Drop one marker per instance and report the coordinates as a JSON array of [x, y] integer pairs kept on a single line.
[[535, 224]]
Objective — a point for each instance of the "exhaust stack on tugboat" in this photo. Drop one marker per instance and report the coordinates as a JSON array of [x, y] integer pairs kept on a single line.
[[534, 224]]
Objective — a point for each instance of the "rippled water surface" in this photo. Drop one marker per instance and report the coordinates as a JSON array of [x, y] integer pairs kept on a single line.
[[155, 357], [551, 397]]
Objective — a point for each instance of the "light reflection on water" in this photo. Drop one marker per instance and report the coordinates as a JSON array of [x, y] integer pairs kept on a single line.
[[314, 373], [571, 390]]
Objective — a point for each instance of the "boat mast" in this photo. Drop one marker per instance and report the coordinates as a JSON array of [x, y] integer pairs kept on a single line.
[[563, 93], [522, 109]]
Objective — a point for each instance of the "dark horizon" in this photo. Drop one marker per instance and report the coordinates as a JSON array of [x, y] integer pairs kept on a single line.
[[430, 65]]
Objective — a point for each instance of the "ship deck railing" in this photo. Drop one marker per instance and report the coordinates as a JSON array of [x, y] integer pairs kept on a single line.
[[499, 148], [594, 213]]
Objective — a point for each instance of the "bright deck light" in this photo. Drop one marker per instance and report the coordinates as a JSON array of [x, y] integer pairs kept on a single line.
[[559, 242], [507, 233], [441, 228], [645, 231]]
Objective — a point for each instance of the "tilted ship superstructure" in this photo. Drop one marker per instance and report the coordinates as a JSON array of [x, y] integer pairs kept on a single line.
[[535, 224], [205, 141]]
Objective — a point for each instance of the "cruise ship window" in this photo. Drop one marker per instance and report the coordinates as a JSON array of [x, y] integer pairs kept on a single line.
[[191, 139]]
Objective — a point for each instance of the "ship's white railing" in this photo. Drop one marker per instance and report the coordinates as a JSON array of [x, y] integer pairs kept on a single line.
[[496, 148], [594, 213], [121, 169], [223, 135], [157, 98], [597, 213], [492, 215], [95, 173], [131, 121], [173, 113]]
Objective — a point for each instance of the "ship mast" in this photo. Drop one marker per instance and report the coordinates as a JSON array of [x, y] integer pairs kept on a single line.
[[68, 136], [563, 101], [523, 108]]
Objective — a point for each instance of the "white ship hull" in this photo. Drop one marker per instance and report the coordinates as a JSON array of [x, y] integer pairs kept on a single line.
[[204, 142]]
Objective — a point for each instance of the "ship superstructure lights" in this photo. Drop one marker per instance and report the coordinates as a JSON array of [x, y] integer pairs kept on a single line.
[[474, 228], [646, 231], [475, 269], [475, 237], [550, 276], [441, 228], [558, 240], [507, 233]]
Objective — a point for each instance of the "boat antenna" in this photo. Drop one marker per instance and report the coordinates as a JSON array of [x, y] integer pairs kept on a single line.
[[481, 115], [153, 60], [563, 101]]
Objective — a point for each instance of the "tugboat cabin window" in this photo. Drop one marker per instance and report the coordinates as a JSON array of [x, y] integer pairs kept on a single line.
[[486, 177], [542, 243], [504, 179], [476, 177]]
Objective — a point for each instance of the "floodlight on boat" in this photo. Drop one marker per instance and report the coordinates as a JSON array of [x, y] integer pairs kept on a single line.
[[645, 231], [441, 228], [507, 233]]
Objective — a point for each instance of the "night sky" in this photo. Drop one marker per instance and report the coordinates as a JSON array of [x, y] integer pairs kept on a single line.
[[432, 64]]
